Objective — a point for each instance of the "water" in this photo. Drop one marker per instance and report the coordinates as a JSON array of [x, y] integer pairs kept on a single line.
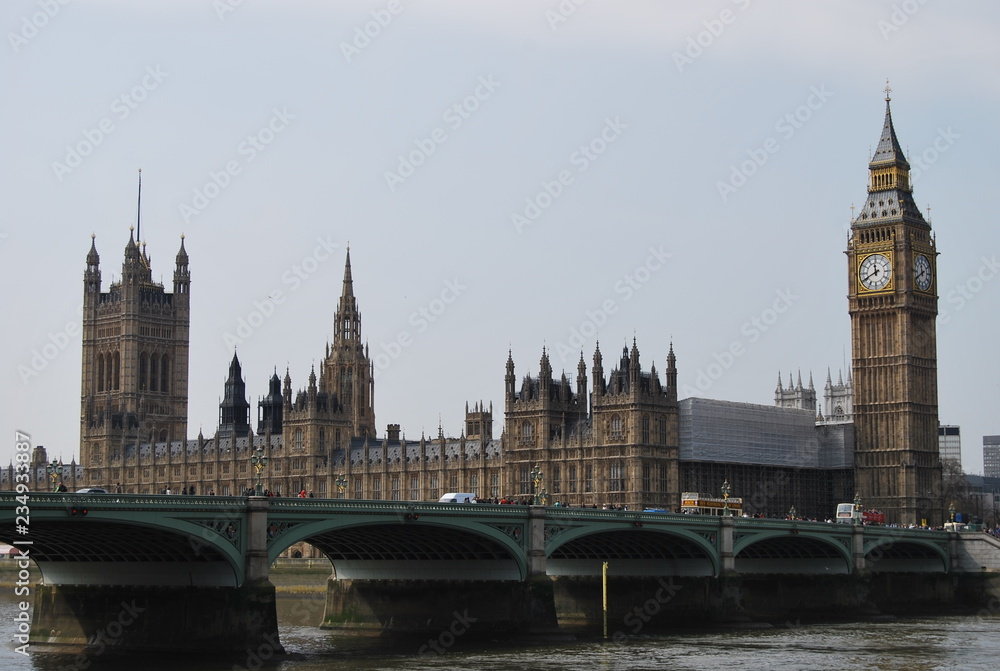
[[919, 644]]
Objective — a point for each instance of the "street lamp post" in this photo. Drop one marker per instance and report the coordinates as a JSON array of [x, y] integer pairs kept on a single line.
[[54, 470], [857, 508], [951, 511], [791, 513], [259, 462], [725, 498], [341, 483], [536, 478]]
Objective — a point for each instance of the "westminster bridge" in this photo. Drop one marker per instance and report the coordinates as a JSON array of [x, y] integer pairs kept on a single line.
[[192, 571]]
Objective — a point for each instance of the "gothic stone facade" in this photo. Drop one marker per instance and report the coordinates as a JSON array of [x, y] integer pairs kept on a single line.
[[135, 366]]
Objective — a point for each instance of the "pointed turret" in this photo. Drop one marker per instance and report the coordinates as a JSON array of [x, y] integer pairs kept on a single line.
[[671, 374], [92, 276], [347, 319], [234, 410], [598, 371], [509, 377], [890, 193]]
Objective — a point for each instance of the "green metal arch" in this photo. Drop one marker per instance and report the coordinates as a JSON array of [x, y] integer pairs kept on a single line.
[[232, 554], [580, 532], [303, 532], [882, 541], [191, 531], [827, 539]]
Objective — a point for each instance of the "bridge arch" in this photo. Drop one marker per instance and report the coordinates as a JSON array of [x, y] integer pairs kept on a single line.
[[392, 547], [649, 550], [798, 551], [164, 552], [905, 555]]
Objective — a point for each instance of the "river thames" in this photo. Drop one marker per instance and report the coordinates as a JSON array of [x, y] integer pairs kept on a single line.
[[966, 642]]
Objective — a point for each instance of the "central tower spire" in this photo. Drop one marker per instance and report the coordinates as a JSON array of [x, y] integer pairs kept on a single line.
[[347, 319]]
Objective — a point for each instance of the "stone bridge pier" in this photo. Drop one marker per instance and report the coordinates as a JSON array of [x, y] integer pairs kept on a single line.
[[478, 593], [163, 593]]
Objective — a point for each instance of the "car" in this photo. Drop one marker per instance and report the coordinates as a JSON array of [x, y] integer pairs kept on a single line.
[[92, 490]]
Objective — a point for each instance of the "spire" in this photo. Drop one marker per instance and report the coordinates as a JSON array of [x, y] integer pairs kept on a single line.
[[348, 279], [93, 258], [888, 150], [780, 388], [347, 320], [235, 369], [182, 255], [890, 194], [131, 250]]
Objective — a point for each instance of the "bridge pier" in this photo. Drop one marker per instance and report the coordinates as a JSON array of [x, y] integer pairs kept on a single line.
[[137, 618], [441, 609]]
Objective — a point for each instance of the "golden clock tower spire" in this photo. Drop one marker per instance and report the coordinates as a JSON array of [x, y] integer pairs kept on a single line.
[[892, 292]]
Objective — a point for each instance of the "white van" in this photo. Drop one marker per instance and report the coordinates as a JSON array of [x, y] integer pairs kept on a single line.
[[458, 497]]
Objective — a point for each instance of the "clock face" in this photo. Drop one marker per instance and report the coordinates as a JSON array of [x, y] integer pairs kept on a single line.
[[922, 272], [875, 272]]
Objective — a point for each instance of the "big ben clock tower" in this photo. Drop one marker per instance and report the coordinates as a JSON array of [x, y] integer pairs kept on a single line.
[[892, 269]]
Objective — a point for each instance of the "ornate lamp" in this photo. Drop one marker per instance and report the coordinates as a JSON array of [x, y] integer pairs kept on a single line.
[[857, 507], [951, 510], [536, 478], [725, 498], [54, 470], [259, 462], [791, 513], [341, 483]]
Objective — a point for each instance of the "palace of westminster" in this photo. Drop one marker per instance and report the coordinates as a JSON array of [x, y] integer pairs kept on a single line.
[[617, 435]]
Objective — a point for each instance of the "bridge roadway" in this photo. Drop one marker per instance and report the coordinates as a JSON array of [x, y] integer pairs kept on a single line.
[[122, 542], [221, 541]]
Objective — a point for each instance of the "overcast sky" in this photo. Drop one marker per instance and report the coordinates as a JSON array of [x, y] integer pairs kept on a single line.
[[510, 174]]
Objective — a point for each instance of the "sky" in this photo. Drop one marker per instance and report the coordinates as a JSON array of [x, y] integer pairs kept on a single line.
[[509, 175]]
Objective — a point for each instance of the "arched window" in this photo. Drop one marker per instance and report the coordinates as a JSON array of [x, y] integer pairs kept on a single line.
[[154, 373], [164, 374], [616, 427], [527, 431], [100, 372], [298, 439], [143, 371]]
